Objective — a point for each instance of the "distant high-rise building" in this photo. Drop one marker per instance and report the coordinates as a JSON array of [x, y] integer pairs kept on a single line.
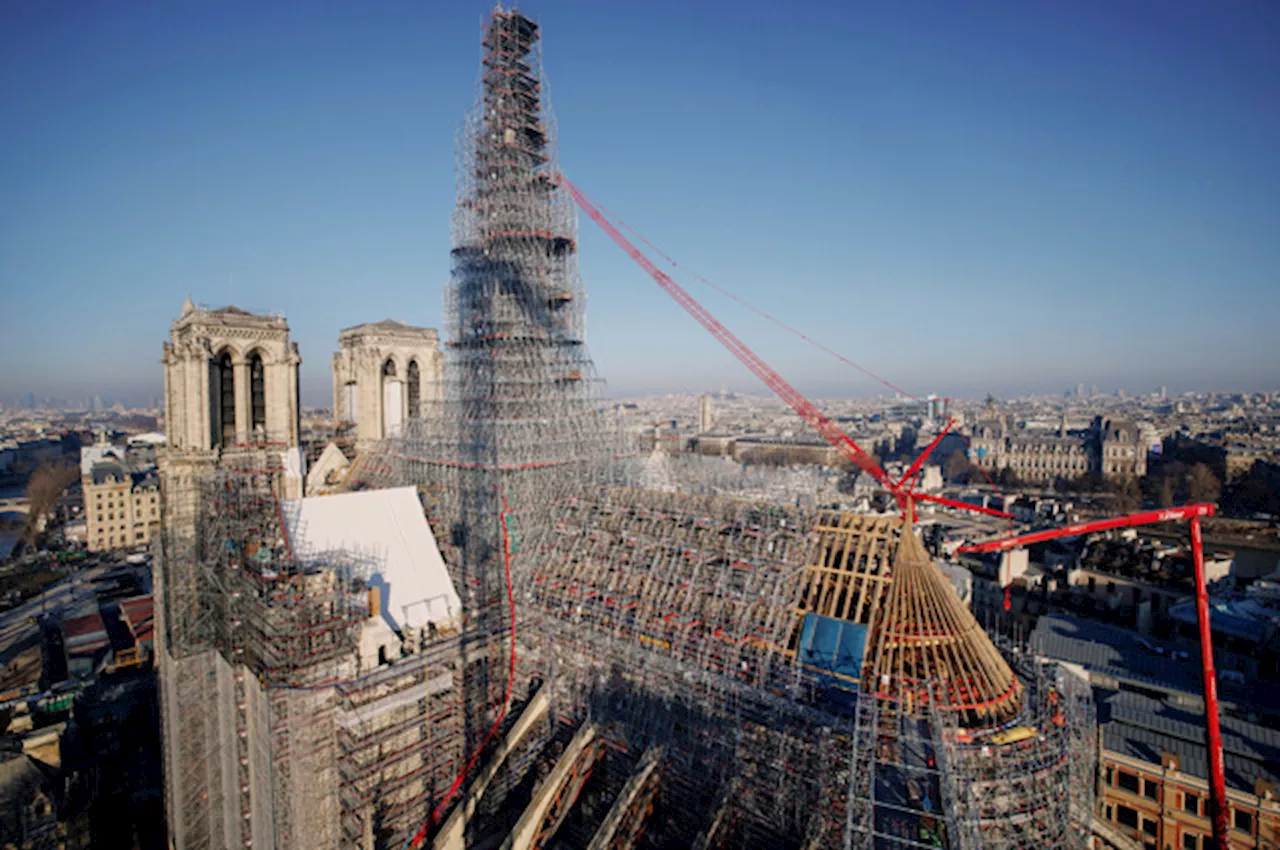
[[97, 403], [704, 414], [1164, 392], [936, 407], [1120, 393], [31, 401], [1080, 390]]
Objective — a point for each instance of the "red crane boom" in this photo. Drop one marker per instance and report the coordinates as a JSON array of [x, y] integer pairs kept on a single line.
[[801, 405], [1212, 725], [1145, 518]]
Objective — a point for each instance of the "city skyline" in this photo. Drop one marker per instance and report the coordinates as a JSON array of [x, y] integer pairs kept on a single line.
[[1077, 206]]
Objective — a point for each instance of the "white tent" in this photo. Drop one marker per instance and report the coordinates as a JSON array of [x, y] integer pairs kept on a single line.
[[386, 533]]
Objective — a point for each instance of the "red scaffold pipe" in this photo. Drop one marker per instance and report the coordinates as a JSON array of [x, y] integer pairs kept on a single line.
[[1143, 518], [801, 405]]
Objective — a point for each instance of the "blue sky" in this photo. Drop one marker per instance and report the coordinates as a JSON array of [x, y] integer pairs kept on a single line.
[[1003, 196]]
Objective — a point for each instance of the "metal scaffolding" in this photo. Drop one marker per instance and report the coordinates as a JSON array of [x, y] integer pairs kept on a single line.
[[662, 617], [519, 422], [726, 665], [274, 734]]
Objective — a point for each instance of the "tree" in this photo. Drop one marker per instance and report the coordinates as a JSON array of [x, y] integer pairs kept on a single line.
[[956, 467], [1006, 477], [43, 489], [1258, 490], [1202, 484], [1128, 496]]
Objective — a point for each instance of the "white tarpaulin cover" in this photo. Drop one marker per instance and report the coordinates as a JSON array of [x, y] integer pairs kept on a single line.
[[385, 532]]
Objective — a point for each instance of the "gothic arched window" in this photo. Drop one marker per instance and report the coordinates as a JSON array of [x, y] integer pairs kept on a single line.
[[224, 401], [257, 397], [414, 390], [392, 400]]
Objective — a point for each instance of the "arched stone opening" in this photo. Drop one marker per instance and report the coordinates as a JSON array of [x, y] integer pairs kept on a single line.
[[414, 390], [257, 397], [392, 400], [222, 399]]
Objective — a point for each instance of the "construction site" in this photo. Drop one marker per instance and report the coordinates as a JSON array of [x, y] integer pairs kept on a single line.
[[517, 631]]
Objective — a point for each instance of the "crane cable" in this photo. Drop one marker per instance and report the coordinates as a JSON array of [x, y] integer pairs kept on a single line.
[[762, 313], [759, 312]]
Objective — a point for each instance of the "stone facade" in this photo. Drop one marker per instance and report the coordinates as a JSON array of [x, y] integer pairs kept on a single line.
[[1111, 448], [121, 506], [1120, 449], [327, 473], [230, 384], [383, 374], [231, 378]]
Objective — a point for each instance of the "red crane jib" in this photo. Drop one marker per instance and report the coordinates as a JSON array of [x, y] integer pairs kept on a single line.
[[847, 447], [1218, 806], [954, 503], [924, 455], [1144, 518], [820, 422]]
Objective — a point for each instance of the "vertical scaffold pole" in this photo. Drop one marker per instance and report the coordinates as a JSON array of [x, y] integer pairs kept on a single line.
[[1212, 728]]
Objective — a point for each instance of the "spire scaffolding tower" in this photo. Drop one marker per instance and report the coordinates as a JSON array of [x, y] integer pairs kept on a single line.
[[519, 421]]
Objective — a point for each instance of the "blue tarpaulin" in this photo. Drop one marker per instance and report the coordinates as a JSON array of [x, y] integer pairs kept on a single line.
[[833, 646]]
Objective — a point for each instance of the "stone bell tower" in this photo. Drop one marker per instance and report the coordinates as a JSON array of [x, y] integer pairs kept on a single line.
[[231, 385]]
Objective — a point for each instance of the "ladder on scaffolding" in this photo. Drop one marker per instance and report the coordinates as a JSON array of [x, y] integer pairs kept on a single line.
[[859, 828]]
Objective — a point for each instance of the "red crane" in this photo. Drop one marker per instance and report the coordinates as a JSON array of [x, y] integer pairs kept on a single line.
[[1212, 724], [904, 494], [780, 386]]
